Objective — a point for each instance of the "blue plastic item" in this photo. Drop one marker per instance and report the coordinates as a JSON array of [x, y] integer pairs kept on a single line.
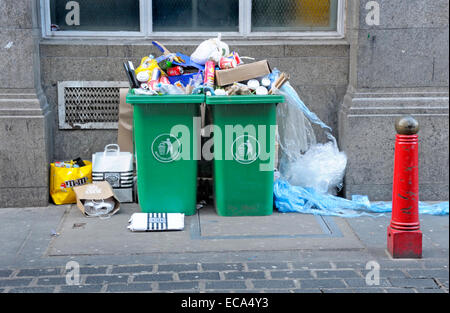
[[290, 198], [184, 79], [187, 60]]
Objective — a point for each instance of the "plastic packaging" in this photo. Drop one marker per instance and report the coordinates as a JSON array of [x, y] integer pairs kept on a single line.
[[98, 208], [289, 198], [171, 90], [212, 49], [322, 167], [303, 161]]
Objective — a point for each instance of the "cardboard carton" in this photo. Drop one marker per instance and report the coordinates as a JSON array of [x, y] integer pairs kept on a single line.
[[125, 128], [95, 191], [242, 73]]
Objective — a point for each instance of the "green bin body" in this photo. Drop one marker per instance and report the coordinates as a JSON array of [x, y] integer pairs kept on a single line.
[[166, 163], [244, 157]]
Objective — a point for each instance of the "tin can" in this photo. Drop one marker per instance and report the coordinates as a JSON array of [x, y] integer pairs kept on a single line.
[[175, 71], [226, 63], [156, 74], [235, 56], [164, 80], [209, 74]]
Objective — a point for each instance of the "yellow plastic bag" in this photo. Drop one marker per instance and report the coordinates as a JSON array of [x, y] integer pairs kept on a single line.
[[62, 181]]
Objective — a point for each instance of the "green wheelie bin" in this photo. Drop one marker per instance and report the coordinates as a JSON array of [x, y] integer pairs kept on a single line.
[[166, 134], [244, 151]]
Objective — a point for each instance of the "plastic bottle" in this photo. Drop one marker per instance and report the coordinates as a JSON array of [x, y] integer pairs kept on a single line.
[[148, 64]]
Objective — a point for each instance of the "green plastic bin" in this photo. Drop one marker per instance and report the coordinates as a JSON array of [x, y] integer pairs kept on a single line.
[[244, 152], [166, 157]]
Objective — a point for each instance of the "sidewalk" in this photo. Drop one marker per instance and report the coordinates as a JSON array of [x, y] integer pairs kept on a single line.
[[279, 253]]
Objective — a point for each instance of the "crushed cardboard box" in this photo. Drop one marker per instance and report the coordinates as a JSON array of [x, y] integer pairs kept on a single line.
[[125, 127], [95, 191]]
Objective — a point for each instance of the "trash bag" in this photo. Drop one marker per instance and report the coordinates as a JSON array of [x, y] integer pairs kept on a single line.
[[289, 198], [303, 161], [211, 49]]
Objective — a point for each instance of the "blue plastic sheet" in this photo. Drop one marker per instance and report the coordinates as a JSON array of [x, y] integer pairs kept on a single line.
[[290, 198]]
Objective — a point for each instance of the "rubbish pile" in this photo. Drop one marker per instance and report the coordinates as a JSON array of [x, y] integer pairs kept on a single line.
[[211, 69], [311, 173]]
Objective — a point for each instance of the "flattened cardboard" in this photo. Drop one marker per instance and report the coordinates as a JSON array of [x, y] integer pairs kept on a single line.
[[242, 73], [125, 128], [104, 191]]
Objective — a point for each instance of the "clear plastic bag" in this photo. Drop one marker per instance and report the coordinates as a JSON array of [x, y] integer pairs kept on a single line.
[[303, 161]]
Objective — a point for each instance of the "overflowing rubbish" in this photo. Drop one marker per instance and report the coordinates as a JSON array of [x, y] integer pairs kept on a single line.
[[289, 198], [144, 222], [212, 69], [65, 175], [97, 199]]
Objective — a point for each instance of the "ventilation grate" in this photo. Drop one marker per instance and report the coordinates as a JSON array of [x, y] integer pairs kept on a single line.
[[89, 105]]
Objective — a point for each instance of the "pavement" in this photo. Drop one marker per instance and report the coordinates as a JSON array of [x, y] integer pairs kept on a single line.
[[56, 249]]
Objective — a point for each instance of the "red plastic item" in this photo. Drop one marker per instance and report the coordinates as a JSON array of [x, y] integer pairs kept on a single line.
[[404, 237]]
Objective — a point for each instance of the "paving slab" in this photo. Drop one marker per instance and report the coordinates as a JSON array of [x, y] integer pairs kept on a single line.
[[205, 231], [26, 232]]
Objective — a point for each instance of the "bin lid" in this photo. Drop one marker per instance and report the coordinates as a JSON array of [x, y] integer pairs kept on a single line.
[[247, 99], [141, 99]]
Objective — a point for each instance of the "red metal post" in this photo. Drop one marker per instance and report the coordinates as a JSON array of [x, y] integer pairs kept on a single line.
[[404, 237]]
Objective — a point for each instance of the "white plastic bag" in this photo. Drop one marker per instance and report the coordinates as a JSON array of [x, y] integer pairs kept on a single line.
[[211, 49]]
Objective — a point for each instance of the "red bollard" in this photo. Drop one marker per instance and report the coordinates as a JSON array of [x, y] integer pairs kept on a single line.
[[404, 237]]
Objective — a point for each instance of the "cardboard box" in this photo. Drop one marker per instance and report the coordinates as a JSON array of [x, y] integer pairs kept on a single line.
[[95, 191], [125, 128], [242, 73]]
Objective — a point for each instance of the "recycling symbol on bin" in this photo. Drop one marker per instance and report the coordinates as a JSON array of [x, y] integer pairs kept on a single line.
[[245, 149], [166, 148]]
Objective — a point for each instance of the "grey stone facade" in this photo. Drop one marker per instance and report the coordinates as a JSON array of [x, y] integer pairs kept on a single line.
[[25, 122], [399, 67], [358, 85]]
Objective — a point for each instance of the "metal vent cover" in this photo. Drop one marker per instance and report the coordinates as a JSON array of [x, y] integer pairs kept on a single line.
[[89, 104]]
